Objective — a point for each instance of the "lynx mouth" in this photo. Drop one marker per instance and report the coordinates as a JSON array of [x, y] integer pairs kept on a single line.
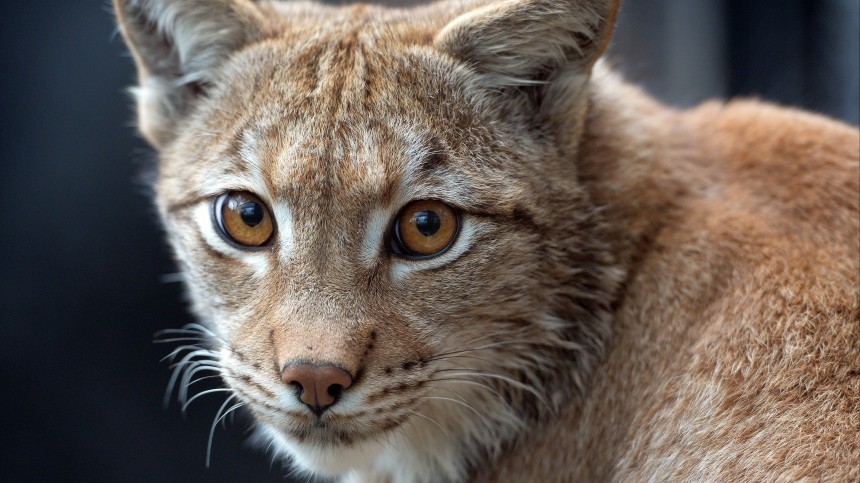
[[330, 430], [330, 433]]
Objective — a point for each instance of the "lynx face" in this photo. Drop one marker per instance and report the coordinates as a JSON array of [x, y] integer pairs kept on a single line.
[[374, 220]]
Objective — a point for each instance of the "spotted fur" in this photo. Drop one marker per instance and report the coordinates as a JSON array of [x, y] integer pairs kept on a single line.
[[635, 293]]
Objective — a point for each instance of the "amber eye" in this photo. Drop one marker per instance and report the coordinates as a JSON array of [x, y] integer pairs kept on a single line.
[[243, 218], [425, 228]]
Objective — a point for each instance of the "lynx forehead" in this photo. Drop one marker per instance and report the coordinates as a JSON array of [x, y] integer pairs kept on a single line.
[[369, 153], [448, 244]]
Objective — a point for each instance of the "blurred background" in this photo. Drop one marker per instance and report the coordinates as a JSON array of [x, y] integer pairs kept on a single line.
[[83, 286]]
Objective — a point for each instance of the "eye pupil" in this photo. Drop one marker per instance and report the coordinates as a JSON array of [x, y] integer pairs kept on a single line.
[[251, 213], [427, 222], [425, 228], [243, 219]]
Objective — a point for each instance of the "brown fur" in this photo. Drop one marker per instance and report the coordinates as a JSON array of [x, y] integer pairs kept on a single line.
[[636, 293]]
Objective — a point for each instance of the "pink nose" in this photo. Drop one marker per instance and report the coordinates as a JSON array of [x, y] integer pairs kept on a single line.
[[319, 386]]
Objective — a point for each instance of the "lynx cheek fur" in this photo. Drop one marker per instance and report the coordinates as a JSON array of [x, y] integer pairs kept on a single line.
[[626, 292]]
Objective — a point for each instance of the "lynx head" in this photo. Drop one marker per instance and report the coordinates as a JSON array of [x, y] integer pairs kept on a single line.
[[377, 216]]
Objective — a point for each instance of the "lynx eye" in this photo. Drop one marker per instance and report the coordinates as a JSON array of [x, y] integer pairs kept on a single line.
[[243, 218], [425, 228]]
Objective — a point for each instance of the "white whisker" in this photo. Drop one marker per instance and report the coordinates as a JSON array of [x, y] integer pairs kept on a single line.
[[457, 402], [487, 346], [471, 382], [181, 339], [230, 412], [201, 394], [457, 395], [186, 379], [217, 376], [183, 365], [493, 375], [195, 351], [218, 417], [428, 418]]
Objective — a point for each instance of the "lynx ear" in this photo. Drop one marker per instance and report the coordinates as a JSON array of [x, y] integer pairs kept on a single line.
[[177, 46], [531, 42]]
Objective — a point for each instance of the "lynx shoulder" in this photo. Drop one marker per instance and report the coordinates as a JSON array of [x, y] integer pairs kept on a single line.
[[448, 243]]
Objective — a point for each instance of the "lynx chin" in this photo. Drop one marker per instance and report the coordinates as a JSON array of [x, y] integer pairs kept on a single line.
[[448, 243]]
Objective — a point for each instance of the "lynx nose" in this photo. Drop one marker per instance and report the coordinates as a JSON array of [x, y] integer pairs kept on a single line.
[[319, 386]]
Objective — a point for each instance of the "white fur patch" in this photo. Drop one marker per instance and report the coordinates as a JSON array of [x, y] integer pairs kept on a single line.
[[371, 245], [257, 259], [284, 222], [326, 462]]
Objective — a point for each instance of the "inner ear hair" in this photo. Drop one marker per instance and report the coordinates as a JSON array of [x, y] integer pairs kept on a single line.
[[178, 45], [528, 44]]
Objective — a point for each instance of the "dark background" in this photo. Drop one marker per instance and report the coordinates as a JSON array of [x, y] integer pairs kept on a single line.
[[81, 258]]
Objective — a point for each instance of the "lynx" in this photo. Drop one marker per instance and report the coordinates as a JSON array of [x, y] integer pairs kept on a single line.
[[448, 243]]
